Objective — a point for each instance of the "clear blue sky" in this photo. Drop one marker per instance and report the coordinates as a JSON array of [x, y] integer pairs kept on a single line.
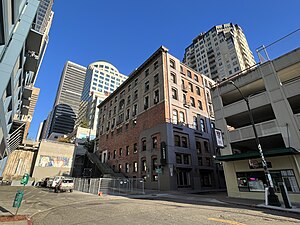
[[127, 32]]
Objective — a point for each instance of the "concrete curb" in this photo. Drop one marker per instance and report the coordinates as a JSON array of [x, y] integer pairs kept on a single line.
[[17, 220]]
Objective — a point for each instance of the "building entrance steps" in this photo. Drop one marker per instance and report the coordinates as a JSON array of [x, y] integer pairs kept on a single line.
[[103, 167]]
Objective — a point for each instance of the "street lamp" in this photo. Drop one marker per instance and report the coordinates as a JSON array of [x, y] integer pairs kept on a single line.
[[272, 197]]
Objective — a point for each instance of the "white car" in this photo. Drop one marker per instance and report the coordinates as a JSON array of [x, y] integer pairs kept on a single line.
[[56, 180], [49, 182]]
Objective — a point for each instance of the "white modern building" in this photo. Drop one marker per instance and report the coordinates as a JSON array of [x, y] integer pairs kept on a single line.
[[22, 47], [102, 78], [273, 92], [220, 52]]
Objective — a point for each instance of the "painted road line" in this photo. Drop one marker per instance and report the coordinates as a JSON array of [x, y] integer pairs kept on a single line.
[[226, 221]]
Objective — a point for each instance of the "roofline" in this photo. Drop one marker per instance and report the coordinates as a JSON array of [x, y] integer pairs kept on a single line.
[[131, 76]]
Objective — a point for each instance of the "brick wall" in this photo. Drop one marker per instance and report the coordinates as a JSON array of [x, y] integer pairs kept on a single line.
[[131, 134]]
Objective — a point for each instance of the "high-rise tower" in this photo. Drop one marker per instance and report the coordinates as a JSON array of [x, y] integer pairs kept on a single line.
[[220, 52], [22, 46], [66, 105], [102, 78]]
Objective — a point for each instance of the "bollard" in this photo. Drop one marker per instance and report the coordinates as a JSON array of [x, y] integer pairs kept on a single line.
[[266, 196]]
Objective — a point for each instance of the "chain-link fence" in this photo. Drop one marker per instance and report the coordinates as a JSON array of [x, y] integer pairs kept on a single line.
[[112, 186]]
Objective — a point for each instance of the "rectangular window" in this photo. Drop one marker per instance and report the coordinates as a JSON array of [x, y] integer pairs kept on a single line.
[[156, 96], [198, 91], [126, 168], [206, 147], [200, 163], [135, 96], [177, 140], [154, 142], [192, 102], [174, 94], [184, 142], [198, 147], [147, 86], [146, 72], [191, 87], [178, 159], [173, 78], [146, 102], [189, 74], [154, 163], [135, 167], [156, 79], [155, 65], [186, 159], [127, 150], [134, 110], [144, 145], [172, 63], [144, 165], [128, 99], [200, 105], [135, 148]]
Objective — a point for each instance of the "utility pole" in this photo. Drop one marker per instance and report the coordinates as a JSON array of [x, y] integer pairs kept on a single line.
[[272, 197]]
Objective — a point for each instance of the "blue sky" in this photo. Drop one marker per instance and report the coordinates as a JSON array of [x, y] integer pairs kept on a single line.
[[127, 32]]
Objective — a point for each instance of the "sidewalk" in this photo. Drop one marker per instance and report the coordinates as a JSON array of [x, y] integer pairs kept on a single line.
[[218, 198]]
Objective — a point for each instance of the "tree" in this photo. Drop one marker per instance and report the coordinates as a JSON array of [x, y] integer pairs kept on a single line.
[[84, 123], [64, 139]]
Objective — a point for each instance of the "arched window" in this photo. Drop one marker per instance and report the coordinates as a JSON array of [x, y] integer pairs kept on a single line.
[[181, 117], [175, 116], [195, 123], [202, 125]]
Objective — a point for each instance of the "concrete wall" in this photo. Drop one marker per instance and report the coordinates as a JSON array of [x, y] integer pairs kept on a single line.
[[19, 162], [53, 159]]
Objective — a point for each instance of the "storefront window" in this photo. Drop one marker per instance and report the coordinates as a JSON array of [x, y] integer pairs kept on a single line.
[[256, 181]]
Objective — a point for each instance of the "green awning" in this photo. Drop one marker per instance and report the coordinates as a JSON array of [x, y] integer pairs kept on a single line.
[[255, 154]]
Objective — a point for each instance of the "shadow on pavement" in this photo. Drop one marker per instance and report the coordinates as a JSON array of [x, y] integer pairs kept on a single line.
[[217, 200]]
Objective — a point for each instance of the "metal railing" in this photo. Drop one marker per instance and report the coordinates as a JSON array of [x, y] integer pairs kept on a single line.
[[110, 186], [278, 47]]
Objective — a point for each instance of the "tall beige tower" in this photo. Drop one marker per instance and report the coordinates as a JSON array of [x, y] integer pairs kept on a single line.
[[220, 52]]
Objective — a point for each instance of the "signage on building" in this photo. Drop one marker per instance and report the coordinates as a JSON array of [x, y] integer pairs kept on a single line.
[[255, 164], [219, 138], [158, 170], [163, 153]]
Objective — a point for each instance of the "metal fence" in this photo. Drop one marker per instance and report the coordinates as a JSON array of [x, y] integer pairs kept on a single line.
[[112, 186]]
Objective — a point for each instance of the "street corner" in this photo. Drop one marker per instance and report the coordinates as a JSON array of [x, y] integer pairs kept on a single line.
[[15, 220]]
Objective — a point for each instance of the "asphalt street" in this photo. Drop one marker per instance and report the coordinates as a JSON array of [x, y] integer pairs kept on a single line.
[[46, 207]]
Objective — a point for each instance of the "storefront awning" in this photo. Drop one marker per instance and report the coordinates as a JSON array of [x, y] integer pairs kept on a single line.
[[255, 154]]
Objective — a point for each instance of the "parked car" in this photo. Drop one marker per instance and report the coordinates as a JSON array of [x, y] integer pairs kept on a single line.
[[66, 184], [56, 181], [49, 182], [43, 182]]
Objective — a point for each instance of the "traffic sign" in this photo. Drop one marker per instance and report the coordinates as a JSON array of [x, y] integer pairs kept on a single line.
[[25, 179], [18, 199], [158, 170]]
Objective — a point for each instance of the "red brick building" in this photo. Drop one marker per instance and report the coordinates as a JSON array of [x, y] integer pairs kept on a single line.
[[158, 125]]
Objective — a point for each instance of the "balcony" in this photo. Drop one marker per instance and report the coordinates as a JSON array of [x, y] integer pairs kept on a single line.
[[267, 128]]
